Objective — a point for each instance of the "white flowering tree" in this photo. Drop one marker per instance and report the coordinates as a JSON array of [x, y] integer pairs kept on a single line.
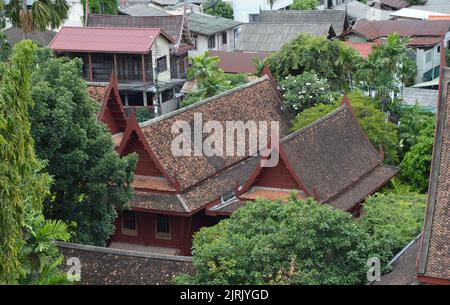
[[304, 91]]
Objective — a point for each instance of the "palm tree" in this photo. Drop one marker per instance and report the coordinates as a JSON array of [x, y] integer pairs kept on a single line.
[[36, 15], [203, 67]]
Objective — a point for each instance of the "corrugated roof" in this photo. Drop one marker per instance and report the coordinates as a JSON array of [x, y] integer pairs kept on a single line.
[[107, 40], [376, 29], [172, 25], [208, 25], [142, 10], [270, 37], [425, 97], [358, 10], [415, 14], [441, 6], [238, 62], [396, 4], [336, 18]]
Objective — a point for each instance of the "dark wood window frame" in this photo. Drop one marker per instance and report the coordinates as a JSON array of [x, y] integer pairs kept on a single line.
[[162, 227], [224, 38], [161, 64], [129, 223]]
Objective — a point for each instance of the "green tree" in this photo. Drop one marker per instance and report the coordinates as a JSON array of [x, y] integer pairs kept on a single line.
[[447, 56], [412, 121], [211, 80], [304, 91], [260, 244], [372, 121], [329, 59], [259, 65], [388, 66], [38, 16], [108, 7], [25, 253], [392, 221], [5, 48], [415, 167], [304, 5], [218, 8], [91, 180]]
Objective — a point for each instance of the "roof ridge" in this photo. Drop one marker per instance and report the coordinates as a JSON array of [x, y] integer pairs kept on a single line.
[[313, 124], [204, 101]]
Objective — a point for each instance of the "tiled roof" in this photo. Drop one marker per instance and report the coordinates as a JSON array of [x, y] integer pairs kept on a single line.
[[336, 18], [172, 25], [107, 266], [157, 201], [336, 161], [238, 62], [372, 30], [363, 48], [256, 101], [151, 183], [434, 255], [97, 92], [108, 40], [15, 35], [270, 37], [208, 25], [269, 193]]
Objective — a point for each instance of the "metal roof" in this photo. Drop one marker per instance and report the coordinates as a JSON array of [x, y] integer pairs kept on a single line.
[[106, 40], [208, 25], [336, 18], [415, 14], [142, 10], [358, 10], [427, 98], [270, 37]]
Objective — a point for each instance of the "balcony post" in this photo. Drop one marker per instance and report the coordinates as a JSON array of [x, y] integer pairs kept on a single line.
[[143, 69], [91, 74]]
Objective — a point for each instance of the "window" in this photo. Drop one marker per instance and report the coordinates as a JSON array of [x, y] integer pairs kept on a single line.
[[228, 196], [224, 37], [194, 40], [428, 56], [167, 95], [211, 42], [162, 227], [161, 64], [129, 226], [439, 49]]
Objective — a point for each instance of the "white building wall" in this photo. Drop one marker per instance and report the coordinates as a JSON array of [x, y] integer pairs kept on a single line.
[[243, 8], [162, 44], [202, 43]]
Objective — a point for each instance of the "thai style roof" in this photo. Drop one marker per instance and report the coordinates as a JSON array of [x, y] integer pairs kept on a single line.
[[434, 254], [238, 62], [173, 25], [270, 37], [336, 161], [256, 101], [423, 32], [208, 25], [15, 35], [337, 18], [106, 40]]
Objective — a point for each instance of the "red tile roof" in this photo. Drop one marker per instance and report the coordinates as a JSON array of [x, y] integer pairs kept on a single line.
[[238, 62], [107, 40], [363, 48]]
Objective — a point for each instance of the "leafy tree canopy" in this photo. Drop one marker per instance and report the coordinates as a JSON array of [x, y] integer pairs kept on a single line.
[[218, 8], [305, 90], [416, 165], [329, 59], [27, 252], [108, 7], [392, 220], [41, 15], [91, 180], [260, 244], [304, 5], [211, 80], [373, 122]]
